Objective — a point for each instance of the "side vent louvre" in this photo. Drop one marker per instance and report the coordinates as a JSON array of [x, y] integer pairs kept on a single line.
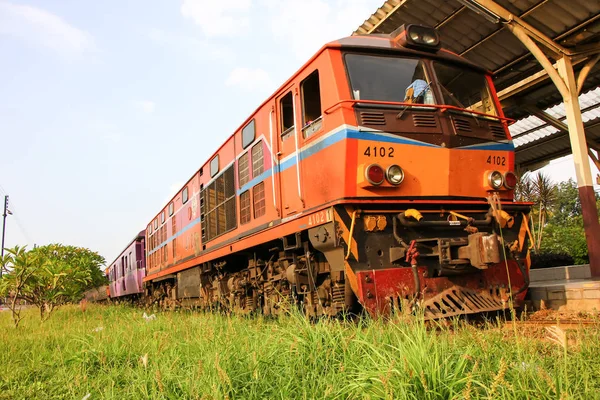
[[498, 132], [372, 118], [424, 120], [461, 124]]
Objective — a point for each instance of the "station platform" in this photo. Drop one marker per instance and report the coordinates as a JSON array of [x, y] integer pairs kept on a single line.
[[564, 289]]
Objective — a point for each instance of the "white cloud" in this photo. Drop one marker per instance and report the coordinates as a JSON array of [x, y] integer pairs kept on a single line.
[[42, 27], [218, 17], [147, 106], [307, 25], [250, 79], [201, 50], [105, 130]]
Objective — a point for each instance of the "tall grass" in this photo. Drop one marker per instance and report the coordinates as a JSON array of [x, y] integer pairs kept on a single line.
[[112, 352]]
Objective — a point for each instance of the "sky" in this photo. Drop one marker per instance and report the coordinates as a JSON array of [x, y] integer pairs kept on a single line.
[[108, 107]]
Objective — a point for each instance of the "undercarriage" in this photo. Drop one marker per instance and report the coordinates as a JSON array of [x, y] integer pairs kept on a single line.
[[381, 260]]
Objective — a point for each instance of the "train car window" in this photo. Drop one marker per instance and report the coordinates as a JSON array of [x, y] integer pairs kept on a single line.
[[387, 78], [162, 217], [171, 209], [214, 166], [184, 195], [259, 200], [130, 266], [245, 207], [156, 224], [311, 104], [258, 164], [220, 203], [243, 169], [248, 134], [287, 114], [464, 88]]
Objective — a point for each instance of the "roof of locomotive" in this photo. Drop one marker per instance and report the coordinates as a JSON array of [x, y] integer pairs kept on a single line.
[[141, 235], [382, 44]]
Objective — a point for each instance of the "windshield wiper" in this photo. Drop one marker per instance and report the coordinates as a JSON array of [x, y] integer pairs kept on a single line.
[[461, 105], [422, 93]]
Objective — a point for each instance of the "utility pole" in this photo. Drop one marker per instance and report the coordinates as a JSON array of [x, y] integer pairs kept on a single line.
[[3, 228]]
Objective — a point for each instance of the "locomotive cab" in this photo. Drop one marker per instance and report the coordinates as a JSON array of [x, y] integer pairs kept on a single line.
[[429, 214]]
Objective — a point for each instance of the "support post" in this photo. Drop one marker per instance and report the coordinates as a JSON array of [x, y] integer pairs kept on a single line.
[[3, 228], [582, 165]]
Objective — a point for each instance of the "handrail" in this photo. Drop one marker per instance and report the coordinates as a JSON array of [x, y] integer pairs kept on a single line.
[[272, 159], [441, 107], [297, 133]]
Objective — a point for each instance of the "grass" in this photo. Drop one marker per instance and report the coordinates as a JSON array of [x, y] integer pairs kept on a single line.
[[112, 352]]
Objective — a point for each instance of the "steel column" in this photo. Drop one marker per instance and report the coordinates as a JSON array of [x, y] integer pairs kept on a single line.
[[582, 165]]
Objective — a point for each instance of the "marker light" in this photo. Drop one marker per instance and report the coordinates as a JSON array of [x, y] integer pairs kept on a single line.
[[374, 174], [510, 180], [394, 174], [417, 36], [495, 179]]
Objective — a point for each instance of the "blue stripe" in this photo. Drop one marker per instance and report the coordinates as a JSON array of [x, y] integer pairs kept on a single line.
[[331, 140], [490, 146], [181, 232]]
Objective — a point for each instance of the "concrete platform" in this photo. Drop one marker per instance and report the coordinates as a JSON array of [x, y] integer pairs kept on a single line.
[[564, 289]]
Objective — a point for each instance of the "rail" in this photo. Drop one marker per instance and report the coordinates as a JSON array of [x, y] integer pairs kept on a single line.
[[441, 107]]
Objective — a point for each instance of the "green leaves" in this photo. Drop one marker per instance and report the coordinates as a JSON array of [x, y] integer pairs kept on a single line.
[[556, 215], [50, 276]]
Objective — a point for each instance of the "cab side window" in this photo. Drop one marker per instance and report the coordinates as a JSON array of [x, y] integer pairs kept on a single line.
[[287, 115], [311, 104]]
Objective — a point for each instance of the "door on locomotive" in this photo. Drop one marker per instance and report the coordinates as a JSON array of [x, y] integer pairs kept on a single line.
[[287, 152]]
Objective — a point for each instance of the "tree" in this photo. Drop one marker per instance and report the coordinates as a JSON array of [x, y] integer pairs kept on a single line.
[[541, 191], [52, 275], [564, 231], [18, 268]]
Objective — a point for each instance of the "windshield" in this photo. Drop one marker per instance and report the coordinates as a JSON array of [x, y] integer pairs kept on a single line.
[[392, 78], [388, 79], [464, 88]]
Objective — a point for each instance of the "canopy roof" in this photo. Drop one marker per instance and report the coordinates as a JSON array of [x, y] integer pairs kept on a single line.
[[523, 86]]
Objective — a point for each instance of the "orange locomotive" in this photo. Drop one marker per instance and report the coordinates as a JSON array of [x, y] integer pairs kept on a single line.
[[378, 176]]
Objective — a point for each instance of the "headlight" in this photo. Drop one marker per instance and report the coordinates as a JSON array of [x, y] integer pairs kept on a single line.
[[510, 180], [394, 174], [415, 36], [429, 39], [374, 174], [495, 179]]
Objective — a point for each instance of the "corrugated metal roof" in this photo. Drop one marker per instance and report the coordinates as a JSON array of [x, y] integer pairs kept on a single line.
[[536, 141], [569, 23]]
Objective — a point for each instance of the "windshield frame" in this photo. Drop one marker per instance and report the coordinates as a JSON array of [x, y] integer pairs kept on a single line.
[[434, 84], [423, 62], [459, 104]]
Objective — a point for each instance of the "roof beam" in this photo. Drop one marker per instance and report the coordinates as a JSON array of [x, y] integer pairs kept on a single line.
[[585, 71], [523, 36], [549, 119], [492, 8]]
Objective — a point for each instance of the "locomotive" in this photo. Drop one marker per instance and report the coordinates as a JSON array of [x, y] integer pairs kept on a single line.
[[378, 177]]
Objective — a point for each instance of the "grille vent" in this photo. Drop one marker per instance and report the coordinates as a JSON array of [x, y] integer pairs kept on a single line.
[[461, 124], [372, 118], [424, 120], [460, 300], [498, 132]]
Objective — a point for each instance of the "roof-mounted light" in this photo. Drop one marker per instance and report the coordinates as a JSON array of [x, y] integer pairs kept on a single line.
[[417, 36]]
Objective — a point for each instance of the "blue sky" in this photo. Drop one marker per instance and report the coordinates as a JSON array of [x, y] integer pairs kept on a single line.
[[107, 107]]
